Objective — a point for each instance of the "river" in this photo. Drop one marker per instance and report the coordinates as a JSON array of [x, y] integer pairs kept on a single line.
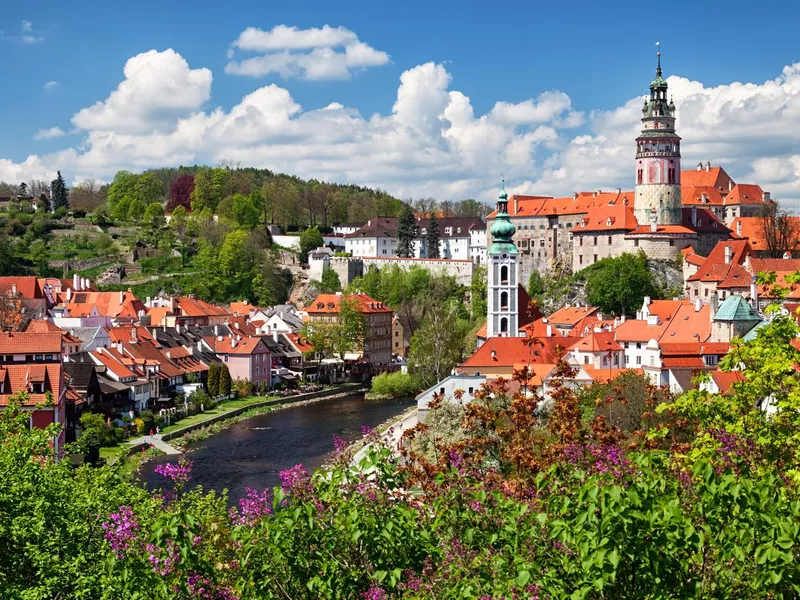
[[252, 452]]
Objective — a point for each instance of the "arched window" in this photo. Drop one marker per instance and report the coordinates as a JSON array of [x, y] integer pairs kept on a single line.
[[504, 325], [504, 274], [504, 300]]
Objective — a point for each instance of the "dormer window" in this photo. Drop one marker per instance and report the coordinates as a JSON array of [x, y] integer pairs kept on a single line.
[[37, 388]]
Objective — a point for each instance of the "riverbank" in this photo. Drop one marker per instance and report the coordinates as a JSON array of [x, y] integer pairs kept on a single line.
[[202, 425]]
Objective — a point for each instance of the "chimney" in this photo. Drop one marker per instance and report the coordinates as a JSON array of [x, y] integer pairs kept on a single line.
[[216, 330], [99, 349], [714, 306], [700, 166], [622, 319], [169, 355], [147, 301], [765, 197], [647, 300], [119, 347], [703, 198], [730, 184], [199, 346], [698, 304], [121, 297], [739, 228], [233, 343], [574, 196], [619, 191], [219, 338], [728, 254], [275, 336], [652, 320], [84, 284], [13, 289], [134, 338], [753, 291], [708, 166], [69, 294], [694, 216], [599, 316], [787, 255], [515, 203], [178, 328], [549, 331], [76, 282]]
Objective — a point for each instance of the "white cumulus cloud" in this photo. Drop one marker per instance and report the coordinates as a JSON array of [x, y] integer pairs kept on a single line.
[[314, 53], [431, 141], [48, 134], [49, 85], [158, 87]]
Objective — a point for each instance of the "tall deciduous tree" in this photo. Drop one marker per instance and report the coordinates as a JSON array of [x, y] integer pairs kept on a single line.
[[406, 233], [433, 236], [203, 193], [617, 285], [438, 345], [87, 195], [180, 192], [780, 231], [59, 192], [310, 239]]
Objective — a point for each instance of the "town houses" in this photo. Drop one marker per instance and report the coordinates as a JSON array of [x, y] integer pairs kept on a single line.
[[722, 233], [71, 348]]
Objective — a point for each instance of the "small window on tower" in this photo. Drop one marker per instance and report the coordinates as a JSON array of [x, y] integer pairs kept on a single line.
[[639, 176], [503, 325]]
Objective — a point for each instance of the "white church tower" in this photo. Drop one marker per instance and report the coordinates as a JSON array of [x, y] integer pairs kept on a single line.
[[503, 259]]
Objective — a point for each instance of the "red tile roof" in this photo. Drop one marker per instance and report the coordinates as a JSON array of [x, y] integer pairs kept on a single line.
[[109, 304], [230, 345], [715, 177], [536, 206], [726, 379], [27, 287], [509, 351], [192, 307], [743, 193], [616, 217], [692, 257], [300, 344], [752, 229], [715, 268], [329, 304], [18, 377], [688, 325], [606, 375], [570, 316], [24, 342], [636, 330], [378, 227], [700, 195], [597, 341]]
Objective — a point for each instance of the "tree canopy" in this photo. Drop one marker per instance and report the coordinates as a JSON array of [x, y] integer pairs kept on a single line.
[[617, 285]]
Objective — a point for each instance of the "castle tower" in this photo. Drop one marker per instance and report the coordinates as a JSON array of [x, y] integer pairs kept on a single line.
[[503, 259], [658, 158]]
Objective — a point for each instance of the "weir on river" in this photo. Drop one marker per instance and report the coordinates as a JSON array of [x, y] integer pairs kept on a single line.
[[252, 452]]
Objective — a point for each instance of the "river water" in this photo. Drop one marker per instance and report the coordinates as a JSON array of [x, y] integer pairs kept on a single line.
[[252, 452]]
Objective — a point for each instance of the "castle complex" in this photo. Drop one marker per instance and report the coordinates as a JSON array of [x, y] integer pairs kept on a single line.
[[668, 211]]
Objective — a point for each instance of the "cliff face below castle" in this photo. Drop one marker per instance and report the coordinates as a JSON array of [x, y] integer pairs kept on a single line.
[[563, 290]]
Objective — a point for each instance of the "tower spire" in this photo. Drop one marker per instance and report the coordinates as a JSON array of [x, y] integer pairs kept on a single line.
[[658, 54]]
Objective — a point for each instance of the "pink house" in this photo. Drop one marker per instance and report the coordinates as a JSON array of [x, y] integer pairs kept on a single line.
[[247, 358]]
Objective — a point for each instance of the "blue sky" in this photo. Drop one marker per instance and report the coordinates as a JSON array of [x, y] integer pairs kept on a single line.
[[600, 57]]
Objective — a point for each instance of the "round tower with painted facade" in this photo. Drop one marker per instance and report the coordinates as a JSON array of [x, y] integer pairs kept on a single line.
[[503, 274], [658, 159]]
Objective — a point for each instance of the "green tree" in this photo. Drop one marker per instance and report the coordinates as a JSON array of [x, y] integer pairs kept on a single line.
[[535, 284], [245, 211], [59, 193], [310, 239], [438, 345], [433, 236], [225, 381], [617, 285], [154, 215], [212, 382], [121, 190], [478, 294], [330, 282], [203, 193], [147, 190], [271, 284], [406, 232]]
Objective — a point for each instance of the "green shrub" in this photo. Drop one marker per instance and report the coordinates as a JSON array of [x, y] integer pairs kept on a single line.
[[394, 385]]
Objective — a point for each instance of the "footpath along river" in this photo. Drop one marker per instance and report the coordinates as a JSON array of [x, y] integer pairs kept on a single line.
[[252, 452]]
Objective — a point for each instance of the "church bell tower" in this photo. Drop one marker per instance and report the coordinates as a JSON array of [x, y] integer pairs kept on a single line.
[[503, 272], [658, 158]]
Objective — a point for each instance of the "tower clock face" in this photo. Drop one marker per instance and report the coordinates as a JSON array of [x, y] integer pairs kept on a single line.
[[504, 256]]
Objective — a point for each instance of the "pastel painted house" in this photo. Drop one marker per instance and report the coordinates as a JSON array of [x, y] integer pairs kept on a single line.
[[247, 358]]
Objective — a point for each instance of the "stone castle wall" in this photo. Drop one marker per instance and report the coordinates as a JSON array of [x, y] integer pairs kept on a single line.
[[462, 270]]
